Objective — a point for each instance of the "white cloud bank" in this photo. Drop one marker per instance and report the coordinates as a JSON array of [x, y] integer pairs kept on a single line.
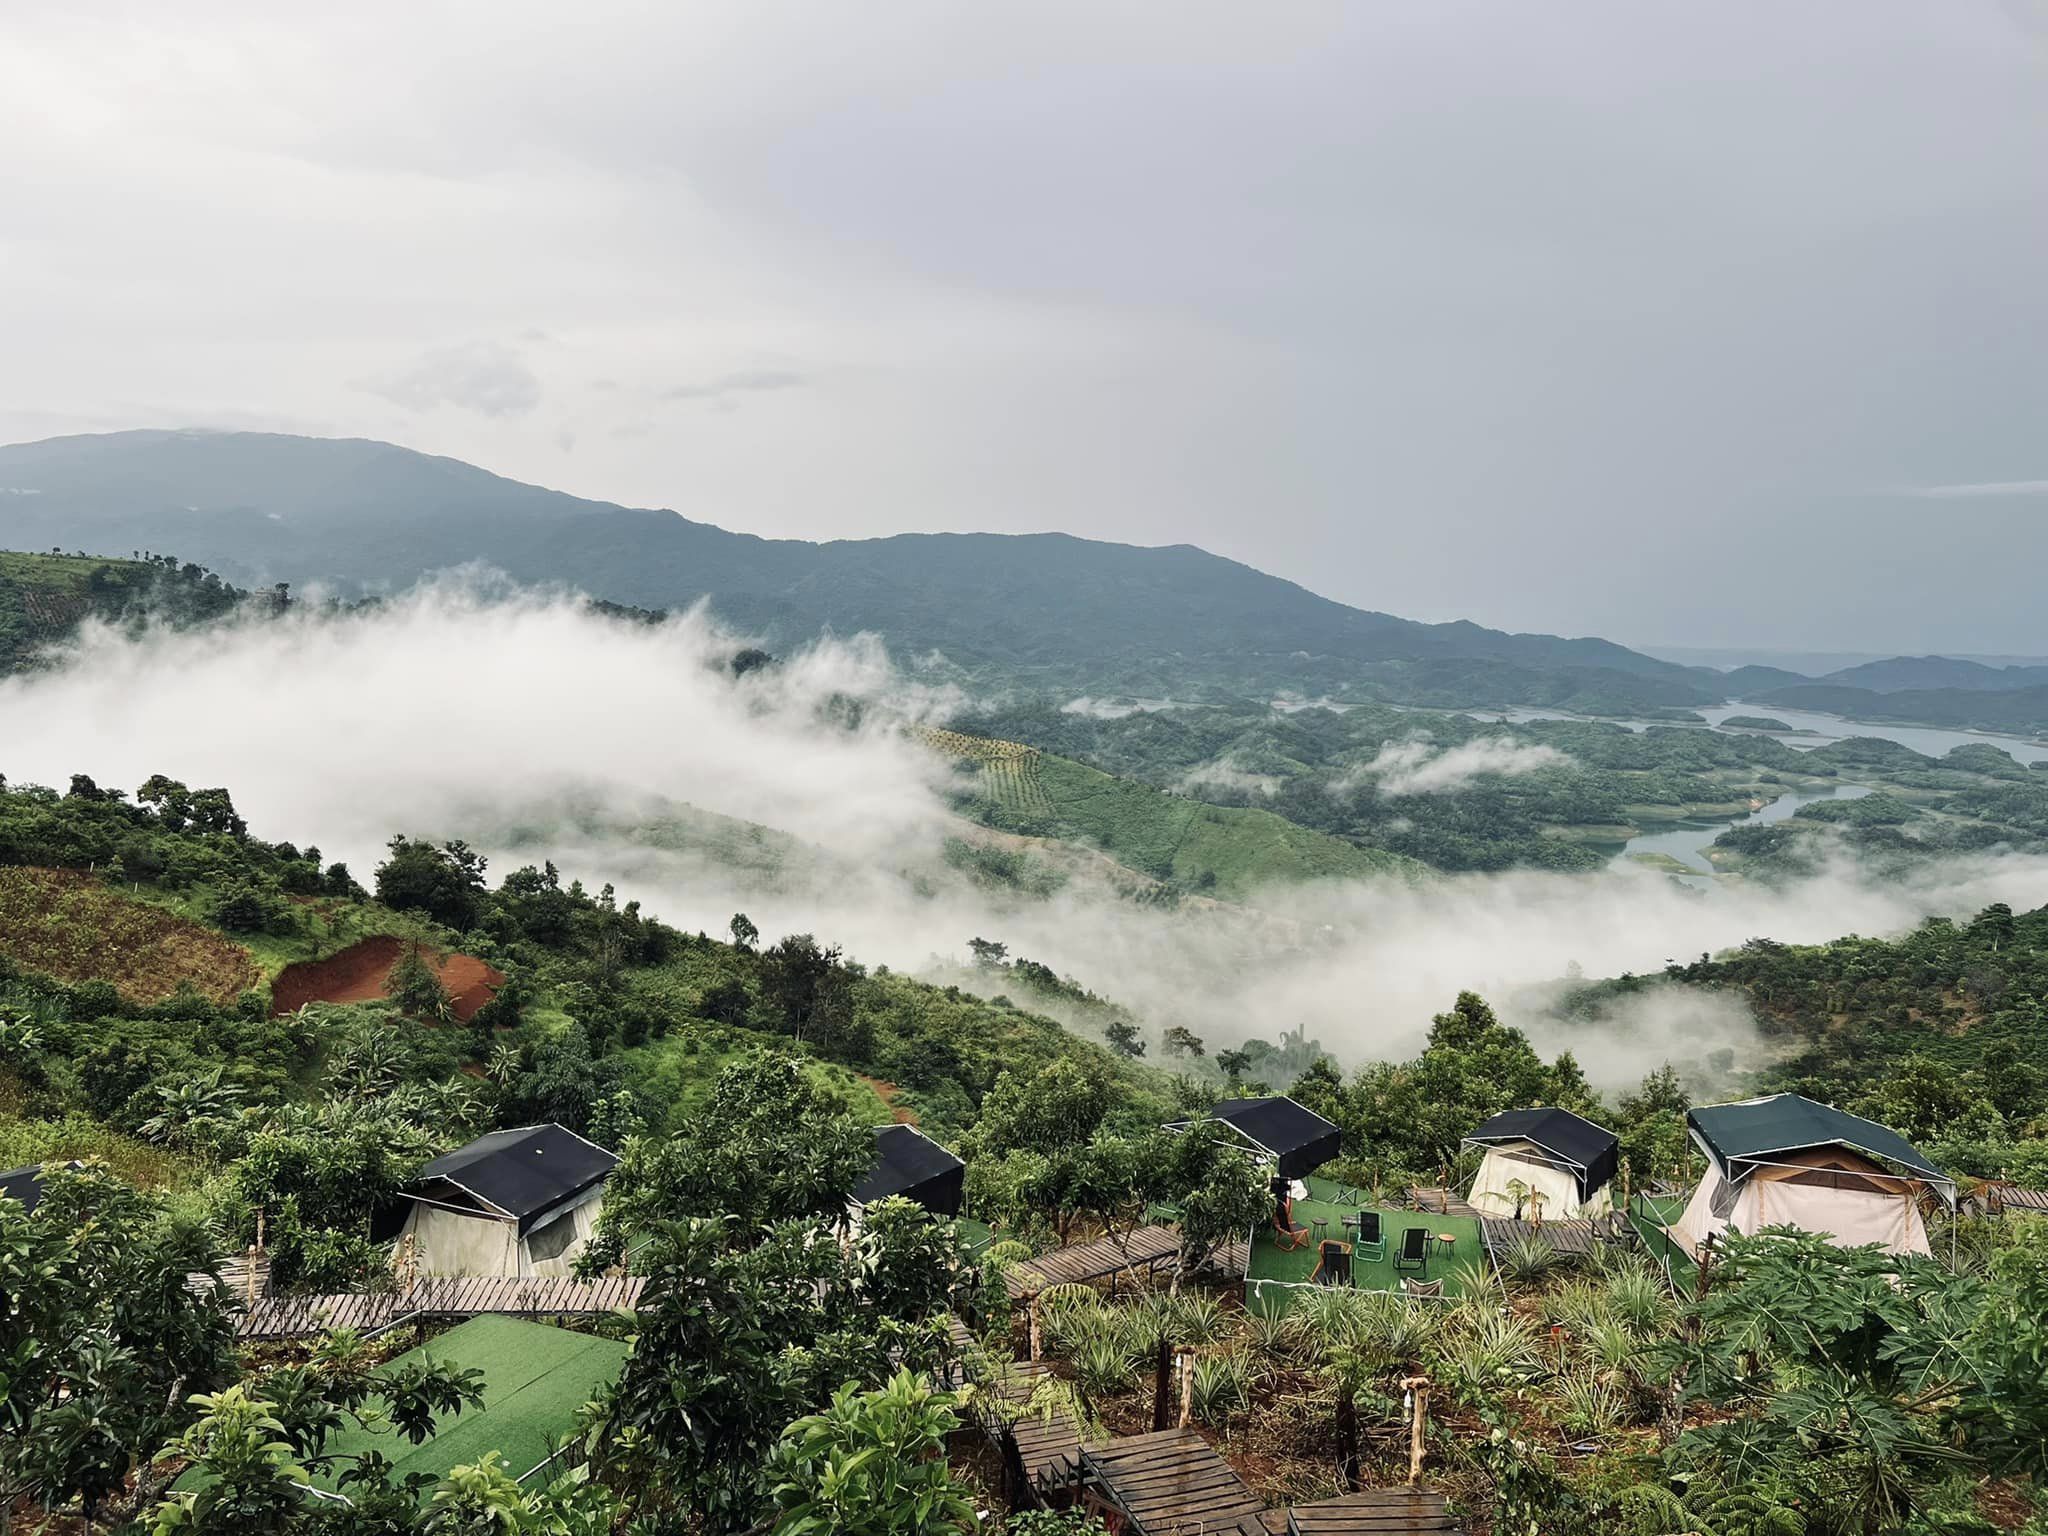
[[535, 730], [1416, 767]]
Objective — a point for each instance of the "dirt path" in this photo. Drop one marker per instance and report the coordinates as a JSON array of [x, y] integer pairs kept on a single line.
[[902, 1114], [362, 974]]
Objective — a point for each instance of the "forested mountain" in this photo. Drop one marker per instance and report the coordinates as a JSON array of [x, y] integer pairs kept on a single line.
[[1901, 673], [1047, 607], [2006, 709]]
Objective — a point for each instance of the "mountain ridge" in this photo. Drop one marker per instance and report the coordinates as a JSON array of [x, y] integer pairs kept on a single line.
[[363, 515]]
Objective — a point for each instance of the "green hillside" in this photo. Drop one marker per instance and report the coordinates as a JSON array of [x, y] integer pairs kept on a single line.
[[45, 597], [1226, 851]]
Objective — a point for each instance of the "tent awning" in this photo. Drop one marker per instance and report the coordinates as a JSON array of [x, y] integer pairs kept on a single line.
[[1742, 1137]]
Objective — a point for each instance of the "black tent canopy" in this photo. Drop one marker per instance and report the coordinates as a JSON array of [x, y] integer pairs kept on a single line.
[[24, 1185], [526, 1174], [911, 1164], [1591, 1152], [1297, 1140]]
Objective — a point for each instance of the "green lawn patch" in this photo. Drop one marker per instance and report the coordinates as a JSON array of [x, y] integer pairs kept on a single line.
[[535, 1378], [1280, 1267]]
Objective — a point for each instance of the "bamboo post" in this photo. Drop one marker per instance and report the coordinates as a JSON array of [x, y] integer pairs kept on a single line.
[[1034, 1325], [1162, 1384], [1417, 1388], [1187, 1385]]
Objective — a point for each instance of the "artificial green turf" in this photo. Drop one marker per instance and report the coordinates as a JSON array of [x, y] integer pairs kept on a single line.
[[1269, 1261], [1650, 1215], [535, 1378]]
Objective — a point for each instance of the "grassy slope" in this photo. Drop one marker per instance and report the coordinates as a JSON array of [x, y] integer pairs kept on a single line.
[[1188, 841]]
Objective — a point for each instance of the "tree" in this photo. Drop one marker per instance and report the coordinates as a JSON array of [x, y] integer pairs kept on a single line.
[[805, 983], [101, 1339], [1124, 1038], [771, 1145], [1223, 1194], [738, 1334], [1179, 1040], [190, 1107], [872, 1464], [446, 883], [988, 954], [744, 934], [416, 987]]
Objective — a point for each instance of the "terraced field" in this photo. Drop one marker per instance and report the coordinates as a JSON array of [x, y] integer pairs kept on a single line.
[[70, 925]]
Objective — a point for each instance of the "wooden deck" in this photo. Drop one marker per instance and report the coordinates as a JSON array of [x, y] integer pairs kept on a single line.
[[1575, 1239], [1444, 1202], [1170, 1483], [290, 1317], [1375, 1512], [1146, 1248]]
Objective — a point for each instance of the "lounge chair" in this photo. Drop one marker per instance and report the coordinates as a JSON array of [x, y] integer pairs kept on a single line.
[[1414, 1251], [1333, 1265], [1286, 1235], [1372, 1238]]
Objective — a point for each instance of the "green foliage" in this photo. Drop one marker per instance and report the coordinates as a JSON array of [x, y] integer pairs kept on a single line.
[[769, 1147], [100, 1339]]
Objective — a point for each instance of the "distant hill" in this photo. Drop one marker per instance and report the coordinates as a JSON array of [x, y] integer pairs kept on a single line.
[[1902, 673], [1051, 609], [2022, 710]]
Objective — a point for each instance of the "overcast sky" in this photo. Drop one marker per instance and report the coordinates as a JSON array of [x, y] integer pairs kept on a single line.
[[1709, 324]]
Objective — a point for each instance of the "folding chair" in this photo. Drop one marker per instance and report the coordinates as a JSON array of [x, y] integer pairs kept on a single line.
[[1372, 1238], [1414, 1251], [1422, 1287], [1286, 1235], [1333, 1264]]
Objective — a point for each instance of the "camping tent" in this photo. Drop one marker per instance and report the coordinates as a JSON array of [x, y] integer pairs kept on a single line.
[[1295, 1141], [519, 1202], [911, 1164], [24, 1185], [1565, 1159], [1787, 1161]]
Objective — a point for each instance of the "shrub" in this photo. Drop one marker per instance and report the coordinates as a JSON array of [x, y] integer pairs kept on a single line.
[[1222, 1386]]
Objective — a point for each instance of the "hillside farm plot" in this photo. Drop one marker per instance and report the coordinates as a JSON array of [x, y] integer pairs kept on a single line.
[[71, 925], [362, 974], [1009, 770]]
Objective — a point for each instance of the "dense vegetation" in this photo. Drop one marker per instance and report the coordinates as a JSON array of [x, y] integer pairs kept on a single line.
[[781, 1379], [43, 598]]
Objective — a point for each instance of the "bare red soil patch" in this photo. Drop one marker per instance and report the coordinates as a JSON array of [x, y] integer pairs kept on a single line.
[[362, 974]]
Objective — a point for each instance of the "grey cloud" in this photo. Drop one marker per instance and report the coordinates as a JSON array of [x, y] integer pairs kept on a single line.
[[486, 377], [1989, 489], [726, 386]]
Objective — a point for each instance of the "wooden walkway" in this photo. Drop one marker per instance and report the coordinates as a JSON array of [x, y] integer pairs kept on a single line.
[[1431, 1200], [292, 1317], [1375, 1512], [1169, 1483], [1148, 1248], [1574, 1239]]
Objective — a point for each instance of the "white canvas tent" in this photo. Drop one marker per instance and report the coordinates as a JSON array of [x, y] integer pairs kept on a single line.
[[518, 1203], [1547, 1160], [1787, 1161]]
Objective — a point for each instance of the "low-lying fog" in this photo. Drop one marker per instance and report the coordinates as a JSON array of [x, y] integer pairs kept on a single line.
[[534, 729]]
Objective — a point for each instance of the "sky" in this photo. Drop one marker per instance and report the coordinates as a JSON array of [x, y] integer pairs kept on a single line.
[[1686, 325]]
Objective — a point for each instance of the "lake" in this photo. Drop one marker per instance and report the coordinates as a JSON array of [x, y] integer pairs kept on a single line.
[[1688, 841], [1812, 729]]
